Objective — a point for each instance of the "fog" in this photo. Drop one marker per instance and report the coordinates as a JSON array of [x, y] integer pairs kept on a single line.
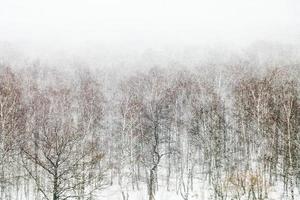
[[138, 33], [148, 24]]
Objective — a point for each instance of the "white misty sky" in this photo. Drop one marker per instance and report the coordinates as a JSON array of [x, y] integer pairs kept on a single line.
[[149, 21]]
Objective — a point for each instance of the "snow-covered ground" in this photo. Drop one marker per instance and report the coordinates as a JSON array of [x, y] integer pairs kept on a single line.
[[115, 193], [201, 192]]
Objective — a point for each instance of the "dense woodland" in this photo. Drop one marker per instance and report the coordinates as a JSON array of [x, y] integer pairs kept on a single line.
[[72, 134]]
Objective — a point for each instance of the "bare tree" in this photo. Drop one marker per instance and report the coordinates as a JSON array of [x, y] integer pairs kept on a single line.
[[12, 123], [61, 148]]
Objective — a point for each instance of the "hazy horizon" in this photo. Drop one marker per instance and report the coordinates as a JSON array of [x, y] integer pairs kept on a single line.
[[142, 24]]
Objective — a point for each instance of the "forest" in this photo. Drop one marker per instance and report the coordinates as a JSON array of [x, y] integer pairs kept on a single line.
[[221, 132]]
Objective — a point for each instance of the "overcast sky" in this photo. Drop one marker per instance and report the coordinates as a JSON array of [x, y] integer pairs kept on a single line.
[[148, 22]]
